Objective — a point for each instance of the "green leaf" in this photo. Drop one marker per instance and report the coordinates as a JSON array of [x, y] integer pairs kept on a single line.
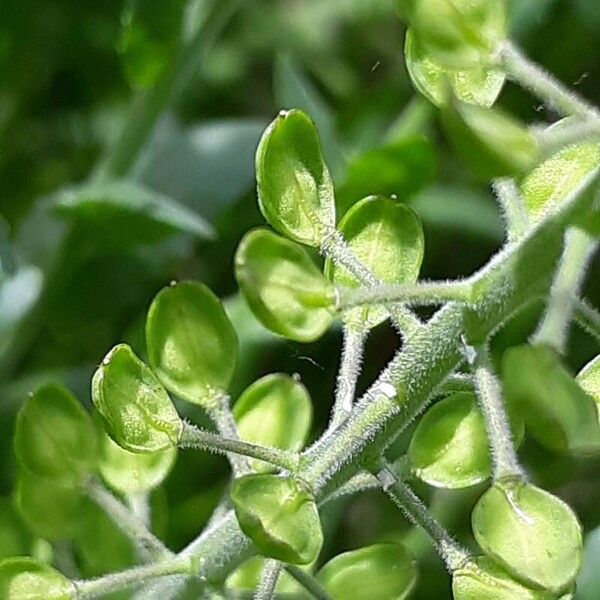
[[457, 33], [287, 293], [401, 168], [55, 438], [545, 188], [589, 379], [28, 579], [530, 532], [52, 511], [480, 85], [129, 473], [490, 142], [387, 237], [449, 447], [377, 572], [557, 411], [485, 580], [15, 540], [126, 213], [279, 516], [274, 411], [137, 411], [295, 191], [192, 346]]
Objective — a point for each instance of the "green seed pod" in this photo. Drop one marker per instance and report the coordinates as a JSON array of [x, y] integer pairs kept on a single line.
[[137, 411], [545, 188], [490, 142], [531, 533], [485, 580], [274, 411], [377, 572], [589, 380], [55, 438], [129, 473], [557, 411], [387, 237], [285, 290], [28, 579], [52, 511], [192, 346], [479, 85], [279, 516], [246, 579], [457, 33], [449, 448], [295, 191]]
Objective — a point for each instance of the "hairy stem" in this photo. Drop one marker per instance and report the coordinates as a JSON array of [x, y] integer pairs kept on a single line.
[[149, 545], [220, 413], [353, 346], [140, 507], [337, 250], [308, 582], [552, 139], [268, 580], [416, 512], [588, 318], [427, 292], [513, 209], [194, 437], [544, 85], [497, 425], [553, 330], [138, 575]]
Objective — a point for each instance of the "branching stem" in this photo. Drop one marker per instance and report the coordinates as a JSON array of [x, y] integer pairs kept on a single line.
[[579, 247], [308, 582], [513, 209], [588, 318], [194, 437], [268, 580]]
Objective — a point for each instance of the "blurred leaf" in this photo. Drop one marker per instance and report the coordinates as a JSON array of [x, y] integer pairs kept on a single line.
[[205, 167], [293, 90], [588, 582], [129, 213], [8, 265], [15, 540]]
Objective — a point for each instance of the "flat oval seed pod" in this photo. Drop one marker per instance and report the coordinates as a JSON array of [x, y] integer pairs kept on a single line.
[[387, 237], [557, 411], [29, 579], [192, 346], [458, 33], [136, 410], [286, 291], [55, 437], [377, 572], [130, 473], [480, 85], [279, 516], [556, 178], [52, 511], [534, 535], [485, 580], [449, 448], [589, 380], [295, 191], [274, 411], [490, 142]]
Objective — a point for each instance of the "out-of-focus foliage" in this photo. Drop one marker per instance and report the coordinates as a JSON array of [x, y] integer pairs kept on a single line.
[[77, 274]]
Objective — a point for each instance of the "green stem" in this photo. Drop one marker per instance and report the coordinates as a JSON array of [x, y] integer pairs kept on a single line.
[[337, 250], [497, 424], [268, 580], [352, 351], [457, 382], [552, 139], [427, 292], [588, 318], [416, 512], [149, 545], [194, 437], [545, 86], [308, 582], [139, 506], [513, 208], [138, 575], [579, 247], [220, 413]]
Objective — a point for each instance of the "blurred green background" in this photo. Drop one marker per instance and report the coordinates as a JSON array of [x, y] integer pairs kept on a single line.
[[74, 281]]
